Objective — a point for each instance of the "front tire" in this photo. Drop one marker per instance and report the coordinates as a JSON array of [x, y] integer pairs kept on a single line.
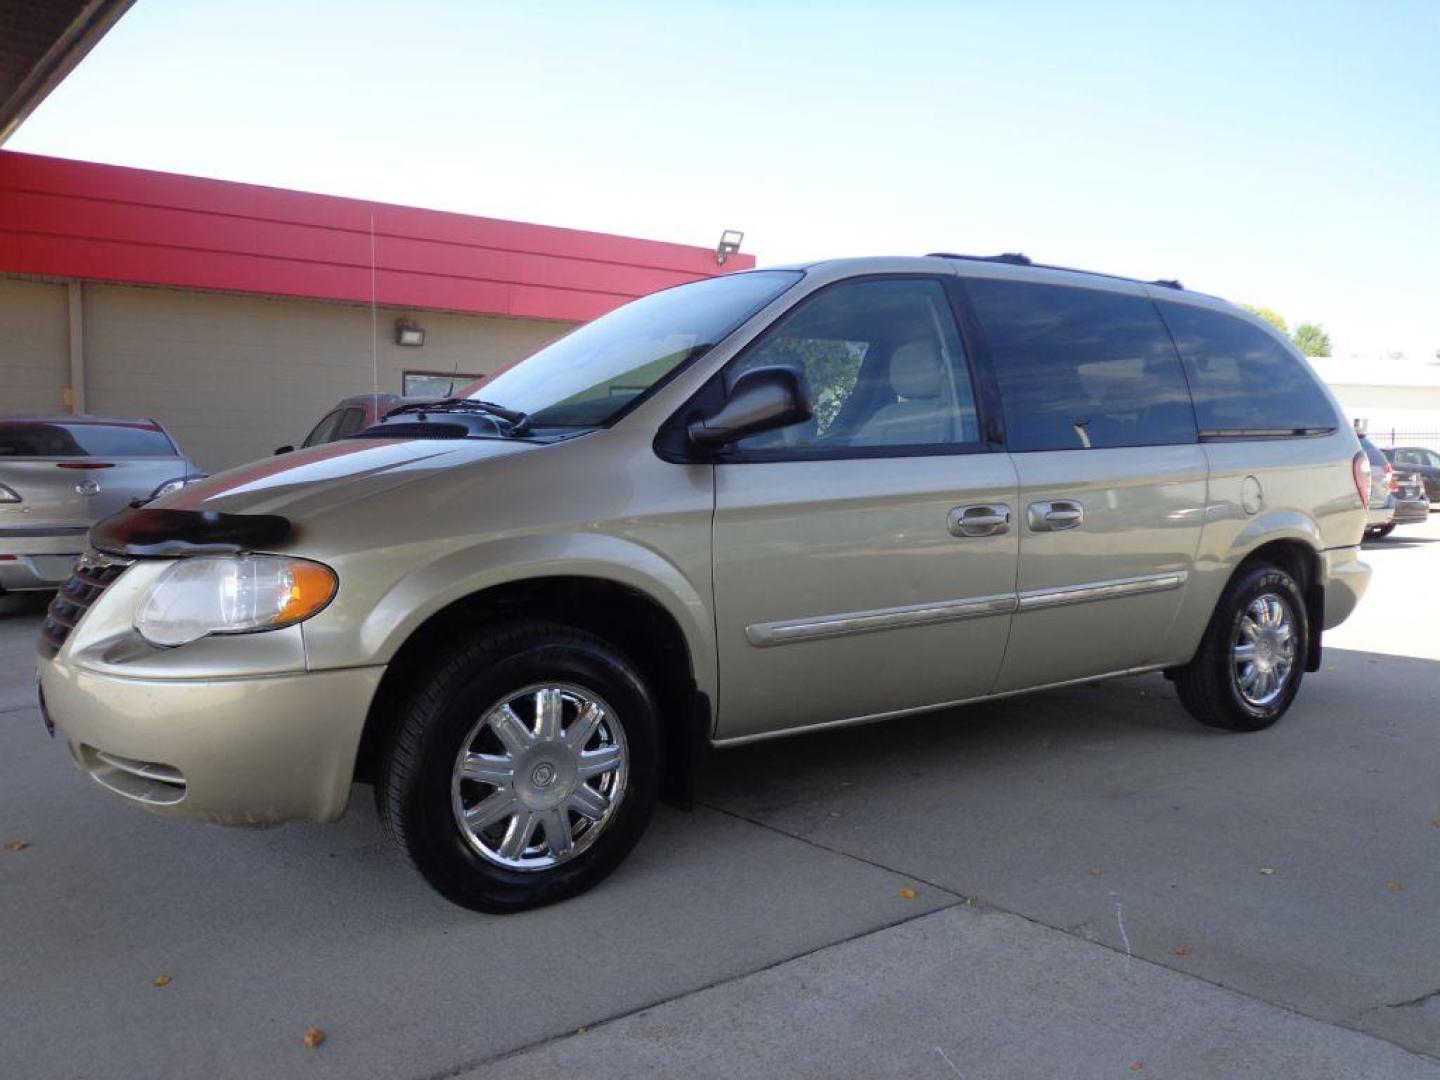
[[1379, 532], [522, 768], [1249, 665]]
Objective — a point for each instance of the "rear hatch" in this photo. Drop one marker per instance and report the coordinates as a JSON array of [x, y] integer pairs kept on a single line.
[[69, 474]]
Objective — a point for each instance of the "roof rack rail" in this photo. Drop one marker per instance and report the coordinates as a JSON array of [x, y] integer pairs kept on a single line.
[[1014, 258]]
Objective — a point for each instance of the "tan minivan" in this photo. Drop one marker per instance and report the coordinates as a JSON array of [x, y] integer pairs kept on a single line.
[[760, 504]]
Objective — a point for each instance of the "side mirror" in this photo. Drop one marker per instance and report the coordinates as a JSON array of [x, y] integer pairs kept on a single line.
[[762, 399], [286, 449]]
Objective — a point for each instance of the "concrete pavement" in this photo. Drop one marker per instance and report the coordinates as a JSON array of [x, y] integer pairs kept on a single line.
[[1089, 901]]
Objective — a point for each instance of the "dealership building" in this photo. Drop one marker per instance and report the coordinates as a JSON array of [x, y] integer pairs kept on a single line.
[[238, 315]]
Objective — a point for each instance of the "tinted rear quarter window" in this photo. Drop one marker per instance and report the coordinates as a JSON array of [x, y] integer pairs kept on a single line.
[[59, 439], [1245, 382], [1081, 368]]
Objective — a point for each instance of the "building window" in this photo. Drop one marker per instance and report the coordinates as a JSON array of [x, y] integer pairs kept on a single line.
[[436, 383]]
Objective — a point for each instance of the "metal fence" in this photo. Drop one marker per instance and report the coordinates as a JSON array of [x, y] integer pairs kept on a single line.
[[1387, 437]]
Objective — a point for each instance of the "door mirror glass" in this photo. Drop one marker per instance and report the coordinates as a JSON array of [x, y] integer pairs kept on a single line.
[[761, 399]]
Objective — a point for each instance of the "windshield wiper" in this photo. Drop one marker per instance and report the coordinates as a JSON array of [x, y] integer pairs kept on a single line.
[[518, 422]]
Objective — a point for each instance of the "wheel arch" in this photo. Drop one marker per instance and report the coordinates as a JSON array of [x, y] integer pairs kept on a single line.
[[1290, 539], [648, 611], [1299, 556]]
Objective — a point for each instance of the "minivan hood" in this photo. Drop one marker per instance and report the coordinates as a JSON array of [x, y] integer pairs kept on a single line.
[[309, 482]]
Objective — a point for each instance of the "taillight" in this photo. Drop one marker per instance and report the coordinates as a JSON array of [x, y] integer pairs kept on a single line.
[[1392, 481], [1360, 469]]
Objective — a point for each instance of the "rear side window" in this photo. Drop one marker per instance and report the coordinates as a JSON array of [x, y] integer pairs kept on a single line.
[[1423, 458], [324, 431], [1245, 382], [1081, 368], [58, 439], [351, 422]]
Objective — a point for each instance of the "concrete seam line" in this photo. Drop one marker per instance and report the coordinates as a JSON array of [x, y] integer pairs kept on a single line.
[[836, 851], [1408, 1003], [606, 1021], [1347, 1024], [976, 903]]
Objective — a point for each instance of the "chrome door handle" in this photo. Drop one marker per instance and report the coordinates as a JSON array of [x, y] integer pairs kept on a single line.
[[1054, 516], [982, 519]]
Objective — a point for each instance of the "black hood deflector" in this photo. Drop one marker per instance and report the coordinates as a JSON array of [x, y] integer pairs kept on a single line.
[[146, 533]]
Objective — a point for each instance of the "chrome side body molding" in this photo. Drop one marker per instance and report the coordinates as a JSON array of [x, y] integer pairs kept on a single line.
[[1101, 590], [817, 628], [763, 635]]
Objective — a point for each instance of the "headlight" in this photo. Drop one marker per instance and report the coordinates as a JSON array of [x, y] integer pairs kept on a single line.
[[169, 487], [232, 595]]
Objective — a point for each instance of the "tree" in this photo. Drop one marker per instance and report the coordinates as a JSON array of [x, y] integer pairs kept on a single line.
[[830, 367], [1274, 318], [1311, 339]]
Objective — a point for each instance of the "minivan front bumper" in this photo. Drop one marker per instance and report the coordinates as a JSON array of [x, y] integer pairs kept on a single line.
[[1345, 577], [229, 751]]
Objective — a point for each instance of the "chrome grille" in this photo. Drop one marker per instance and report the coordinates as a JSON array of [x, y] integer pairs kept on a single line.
[[93, 574]]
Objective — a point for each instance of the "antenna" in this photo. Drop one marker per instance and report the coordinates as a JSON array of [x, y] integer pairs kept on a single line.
[[374, 325]]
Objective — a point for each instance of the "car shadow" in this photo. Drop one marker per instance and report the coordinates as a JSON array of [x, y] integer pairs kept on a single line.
[[16, 605], [1396, 541], [999, 732]]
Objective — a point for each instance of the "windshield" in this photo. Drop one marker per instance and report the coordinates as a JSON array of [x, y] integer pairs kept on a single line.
[[589, 376]]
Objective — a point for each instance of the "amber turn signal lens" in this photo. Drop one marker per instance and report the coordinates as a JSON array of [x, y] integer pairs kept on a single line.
[[312, 586]]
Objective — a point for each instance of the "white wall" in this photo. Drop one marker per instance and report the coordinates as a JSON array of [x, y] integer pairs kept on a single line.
[[1386, 408]]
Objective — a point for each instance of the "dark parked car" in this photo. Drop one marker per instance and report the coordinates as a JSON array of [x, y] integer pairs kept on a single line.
[[61, 474], [1405, 501], [1381, 520], [1422, 461], [351, 415], [1412, 505]]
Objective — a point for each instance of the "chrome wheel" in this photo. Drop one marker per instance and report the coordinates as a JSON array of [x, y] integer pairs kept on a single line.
[[1263, 652], [539, 776]]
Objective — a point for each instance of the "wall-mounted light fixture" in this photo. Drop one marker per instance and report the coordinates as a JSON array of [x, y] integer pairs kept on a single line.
[[729, 245], [408, 332]]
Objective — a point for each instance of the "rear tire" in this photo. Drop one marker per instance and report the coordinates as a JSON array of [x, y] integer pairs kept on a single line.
[[522, 768], [1250, 662]]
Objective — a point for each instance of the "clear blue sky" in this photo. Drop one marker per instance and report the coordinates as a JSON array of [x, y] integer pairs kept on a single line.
[[1280, 154]]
